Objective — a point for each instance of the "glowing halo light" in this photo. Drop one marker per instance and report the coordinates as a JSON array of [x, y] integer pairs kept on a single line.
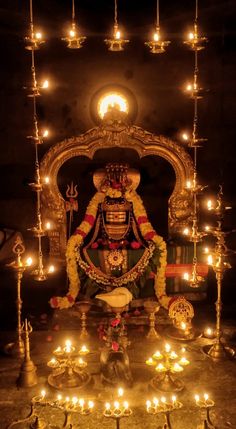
[[112, 99]]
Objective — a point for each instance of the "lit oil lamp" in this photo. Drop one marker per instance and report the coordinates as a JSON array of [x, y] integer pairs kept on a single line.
[[204, 402], [209, 333], [118, 410], [116, 43], [157, 45], [162, 405], [194, 41], [74, 39], [68, 368], [169, 364]]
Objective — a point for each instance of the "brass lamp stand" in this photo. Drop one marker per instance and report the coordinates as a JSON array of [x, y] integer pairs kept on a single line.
[[83, 308], [19, 267], [151, 309], [218, 350]]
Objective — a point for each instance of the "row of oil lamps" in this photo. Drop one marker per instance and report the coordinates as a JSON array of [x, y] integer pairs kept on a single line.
[[118, 409], [116, 43]]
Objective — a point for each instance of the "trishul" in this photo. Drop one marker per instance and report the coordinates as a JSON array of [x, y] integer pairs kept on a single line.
[[72, 203]]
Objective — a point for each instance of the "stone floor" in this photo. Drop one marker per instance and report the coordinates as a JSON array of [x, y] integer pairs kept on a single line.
[[202, 375]]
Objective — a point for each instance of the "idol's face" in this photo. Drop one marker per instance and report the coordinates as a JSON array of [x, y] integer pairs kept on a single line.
[[116, 217]]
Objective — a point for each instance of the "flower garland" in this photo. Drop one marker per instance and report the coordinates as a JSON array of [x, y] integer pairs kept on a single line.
[[131, 276], [149, 233], [76, 241]]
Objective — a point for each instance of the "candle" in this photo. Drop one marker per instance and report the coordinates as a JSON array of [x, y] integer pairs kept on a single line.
[[43, 394], [209, 205], [150, 361], [177, 368], [68, 346], [107, 411], [196, 397], [90, 405], [120, 391], [183, 361], [29, 261], [155, 402], [186, 231], [183, 326], [186, 276], [210, 260], [81, 402], [117, 35], [167, 348], [127, 410], [173, 355], [58, 350], [74, 401], [51, 269], [157, 355], [160, 368], [84, 350], [209, 333], [174, 399], [148, 405], [126, 405], [117, 410], [81, 363]]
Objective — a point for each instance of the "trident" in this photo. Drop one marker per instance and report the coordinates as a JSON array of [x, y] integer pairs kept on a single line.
[[71, 204]]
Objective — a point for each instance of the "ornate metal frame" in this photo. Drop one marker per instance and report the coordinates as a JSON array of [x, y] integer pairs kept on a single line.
[[108, 135]]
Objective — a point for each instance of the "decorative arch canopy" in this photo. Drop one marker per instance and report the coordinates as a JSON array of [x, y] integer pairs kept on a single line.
[[111, 134]]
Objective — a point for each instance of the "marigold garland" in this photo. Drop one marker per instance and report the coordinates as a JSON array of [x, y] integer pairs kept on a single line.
[[76, 241]]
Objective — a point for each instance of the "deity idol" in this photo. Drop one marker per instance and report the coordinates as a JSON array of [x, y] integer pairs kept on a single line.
[[115, 245]]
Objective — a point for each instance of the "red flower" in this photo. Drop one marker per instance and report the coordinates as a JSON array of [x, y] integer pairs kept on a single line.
[[90, 219], [70, 298], [152, 275], [135, 245], [115, 346], [149, 235], [117, 186], [115, 322], [142, 219], [80, 232], [113, 246], [94, 245], [54, 302]]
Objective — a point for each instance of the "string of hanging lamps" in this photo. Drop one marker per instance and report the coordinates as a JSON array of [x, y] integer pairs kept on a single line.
[[33, 42], [116, 43], [74, 39], [196, 43], [157, 45]]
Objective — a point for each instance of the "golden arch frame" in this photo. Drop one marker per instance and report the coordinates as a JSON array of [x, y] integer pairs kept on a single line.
[[114, 134]]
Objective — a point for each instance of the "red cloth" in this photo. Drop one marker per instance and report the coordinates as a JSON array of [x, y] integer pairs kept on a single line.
[[178, 270]]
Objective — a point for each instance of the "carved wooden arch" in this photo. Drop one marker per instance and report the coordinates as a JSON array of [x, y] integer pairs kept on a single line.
[[108, 136]]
